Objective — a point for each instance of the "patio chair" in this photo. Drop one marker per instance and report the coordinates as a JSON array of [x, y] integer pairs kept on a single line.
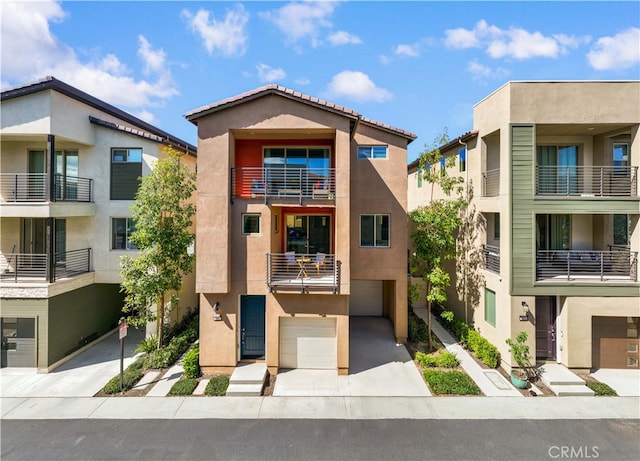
[[319, 261], [257, 187], [290, 257], [321, 190]]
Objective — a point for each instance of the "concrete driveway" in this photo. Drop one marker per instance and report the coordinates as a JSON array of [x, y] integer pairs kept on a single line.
[[378, 367], [82, 376], [625, 382]]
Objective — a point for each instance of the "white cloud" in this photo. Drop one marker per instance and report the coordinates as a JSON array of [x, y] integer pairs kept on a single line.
[[384, 59], [618, 52], [227, 37], [25, 32], [267, 73], [356, 86], [301, 20], [482, 72], [342, 37], [407, 50], [303, 81], [512, 43]]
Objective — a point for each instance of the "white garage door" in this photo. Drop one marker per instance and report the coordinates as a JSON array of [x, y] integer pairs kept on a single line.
[[366, 297], [308, 343]]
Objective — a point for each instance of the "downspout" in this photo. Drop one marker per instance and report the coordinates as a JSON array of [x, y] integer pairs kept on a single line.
[[466, 191]]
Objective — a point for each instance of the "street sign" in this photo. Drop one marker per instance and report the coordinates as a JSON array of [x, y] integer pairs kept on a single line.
[[122, 331]]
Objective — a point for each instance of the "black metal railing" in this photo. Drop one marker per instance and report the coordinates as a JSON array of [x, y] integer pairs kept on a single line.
[[283, 182], [596, 181], [303, 272], [33, 187], [25, 267], [491, 255], [491, 183], [571, 264]]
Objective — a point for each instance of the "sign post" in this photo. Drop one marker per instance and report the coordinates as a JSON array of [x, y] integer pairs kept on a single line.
[[122, 333]]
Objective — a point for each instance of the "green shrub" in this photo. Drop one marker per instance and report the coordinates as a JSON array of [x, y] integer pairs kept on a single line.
[[447, 359], [418, 330], [601, 388], [448, 316], [130, 377], [159, 358], [148, 345], [457, 326], [452, 382], [483, 349], [190, 363], [217, 385], [184, 387], [425, 360]]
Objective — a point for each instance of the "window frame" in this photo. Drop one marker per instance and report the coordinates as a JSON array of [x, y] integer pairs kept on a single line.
[[491, 320], [244, 223], [128, 246], [128, 150], [462, 159], [375, 215], [371, 155]]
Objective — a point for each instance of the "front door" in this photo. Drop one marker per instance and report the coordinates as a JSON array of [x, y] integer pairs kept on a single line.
[[545, 328], [252, 323]]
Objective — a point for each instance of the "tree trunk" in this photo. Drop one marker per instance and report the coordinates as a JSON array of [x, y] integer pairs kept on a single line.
[[429, 316], [160, 320]]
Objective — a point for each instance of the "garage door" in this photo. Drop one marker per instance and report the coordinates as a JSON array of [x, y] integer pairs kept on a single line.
[[615, 342], [366, 297], [308, 343]]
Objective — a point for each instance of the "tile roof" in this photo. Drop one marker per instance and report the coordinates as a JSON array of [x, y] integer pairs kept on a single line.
[[195, 114], [454, 142]]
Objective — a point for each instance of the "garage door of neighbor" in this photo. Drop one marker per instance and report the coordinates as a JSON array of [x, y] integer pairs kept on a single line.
[[18, 342], [366, 297], [308, 343]]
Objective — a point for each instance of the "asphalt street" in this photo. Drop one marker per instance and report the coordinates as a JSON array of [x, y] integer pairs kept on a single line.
[[304, 440]]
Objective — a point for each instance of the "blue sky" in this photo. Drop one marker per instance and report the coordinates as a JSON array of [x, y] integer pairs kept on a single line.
[[419, 66]]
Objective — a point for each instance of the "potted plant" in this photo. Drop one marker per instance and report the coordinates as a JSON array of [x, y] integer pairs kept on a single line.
[[520, 351]]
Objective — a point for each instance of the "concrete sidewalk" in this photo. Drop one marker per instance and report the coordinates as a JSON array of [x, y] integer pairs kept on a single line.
[[504, 408], [490, 382]]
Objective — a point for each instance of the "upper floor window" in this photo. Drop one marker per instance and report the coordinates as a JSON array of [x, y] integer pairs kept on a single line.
[[374, 230], [126, 168], [620, 155], [373, 152], [443, 166], [621, 229], [419, 174], [250, 223], [462, 157], [121, 230]]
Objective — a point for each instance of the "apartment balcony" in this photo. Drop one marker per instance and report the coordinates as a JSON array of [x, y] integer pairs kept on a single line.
[[617, 264], [34, 187], [491, 256], [491, 183], [283, 183], [587, 181], [25, 267], [303, 273]]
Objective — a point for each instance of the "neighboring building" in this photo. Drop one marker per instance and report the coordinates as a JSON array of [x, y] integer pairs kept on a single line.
[[70, 169], [301, 223], [553, 171]]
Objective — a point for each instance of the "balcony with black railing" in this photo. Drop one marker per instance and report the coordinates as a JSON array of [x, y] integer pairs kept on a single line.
[[34, 187], [587, 265], [491, 256], [283, 182], [491, 183], [303, 273], [587, 181], [28, 267]]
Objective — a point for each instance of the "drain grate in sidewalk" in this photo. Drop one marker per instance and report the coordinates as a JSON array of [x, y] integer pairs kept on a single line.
[[497, 379]]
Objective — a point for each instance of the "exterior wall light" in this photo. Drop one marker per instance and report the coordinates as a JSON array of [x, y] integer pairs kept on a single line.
[[216, 311], [525, 309]]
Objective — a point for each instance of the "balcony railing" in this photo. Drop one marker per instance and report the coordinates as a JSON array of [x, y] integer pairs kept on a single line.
[[32, 187], [303, 272], [586, 264], [491, 183], [26, 267], [491, 256], [299, 183], [590, 181]]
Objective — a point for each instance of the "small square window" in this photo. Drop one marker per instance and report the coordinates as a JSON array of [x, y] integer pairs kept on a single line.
[[250, 224], [374, 231], [632, 362], [121, 230]]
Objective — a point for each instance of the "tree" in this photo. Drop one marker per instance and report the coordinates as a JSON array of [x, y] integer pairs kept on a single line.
[[435, 225], [162, 213]]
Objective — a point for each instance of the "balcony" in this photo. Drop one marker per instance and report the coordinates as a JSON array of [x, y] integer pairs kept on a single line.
[[303, 272], [491, 183], [25, 267], [33, 187], [296, 183], [491, 256], [617, 264], [587, 181]]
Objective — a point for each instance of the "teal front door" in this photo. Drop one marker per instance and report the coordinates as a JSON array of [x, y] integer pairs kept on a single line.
[[252, 333]]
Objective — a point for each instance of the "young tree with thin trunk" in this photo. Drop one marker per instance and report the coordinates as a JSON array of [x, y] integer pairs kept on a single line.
[[162, 213], [435, 225]]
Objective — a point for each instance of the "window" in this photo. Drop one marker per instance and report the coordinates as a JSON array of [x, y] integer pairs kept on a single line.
[[374, 230], [443, 166], [496, 226], [490, 307], [419, 177], [374, 152], [250, 224], [462, 156], [620, 156], [126, 168], [621, 229], [121, 230]]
